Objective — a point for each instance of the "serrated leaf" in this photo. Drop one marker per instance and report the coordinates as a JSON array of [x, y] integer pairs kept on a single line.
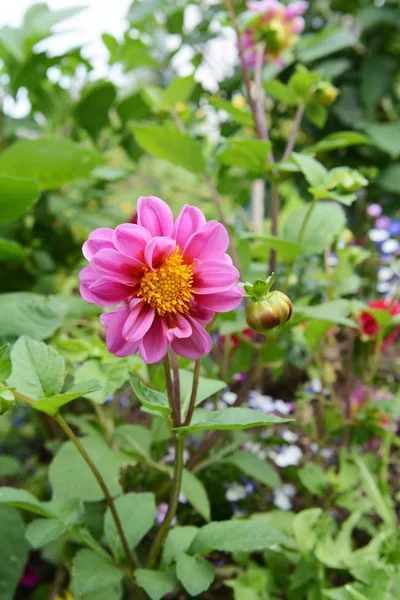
[[194, 490], [33, 315], [91, 572], [313, 171], [178, 540], [111, 375], [43, 531], [195, 573], [235, 536], [25, 501], [151, 399], [156, 583], [52, 405], [230, 419]]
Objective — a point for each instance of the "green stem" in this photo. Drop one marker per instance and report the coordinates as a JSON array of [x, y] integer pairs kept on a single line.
[[274, 223], [384, 474], [170, 389], [193, 396], [376, 357], [173, 503], [177, 389], [109, 499], [306, 219]]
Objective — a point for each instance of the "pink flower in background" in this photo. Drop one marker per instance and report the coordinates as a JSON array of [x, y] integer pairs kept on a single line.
[[171, 279], [274, 25]]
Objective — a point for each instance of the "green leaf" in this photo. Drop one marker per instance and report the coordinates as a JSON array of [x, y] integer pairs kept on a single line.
[[354, 594], [134, 439], [112, 376], [91, 572], [230, 419], [207, 388], [33, 315], [389, 178], [195, 573], [325, 223], [137, 514], [329, 40], [340, 139], [382, 505], [41, 532], [17, 194], [313, 478], [11, 251], [70, 476], [313, 171], [376, 78], [52, 405], [317, 114], [335, 311], [14, 551], [235, 536], [93, 108], [256, 468], [302, 82], [247, 154], [385, 136], [287, 251], [281, 92], [151, 399], [51, 162], [37, 370], [241, 116], [178, 540], [9, 466], [172, 145], [24, 500], [195, 492], [179, 90], [156, 583], [5, 362], [304, 525]]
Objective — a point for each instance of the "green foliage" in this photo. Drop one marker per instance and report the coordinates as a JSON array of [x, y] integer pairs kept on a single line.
[[151, 399], [195, 573], [229, 419], [13, 553]]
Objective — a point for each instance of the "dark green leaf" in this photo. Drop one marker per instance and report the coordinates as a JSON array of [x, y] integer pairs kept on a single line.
[[17, 194], [14, 551], [156, 583], [52, 405], [313, 171], [11, 251], [41, 532], [317, 45], [92, 110], [230, 419], [194, 490], [151, 399], [195, 573], [91, 572], [247, 154], [255, 467], [235, 536]]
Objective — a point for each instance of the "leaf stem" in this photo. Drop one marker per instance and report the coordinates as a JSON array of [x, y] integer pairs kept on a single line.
[[195, 385], [109, 499], [173, 503]]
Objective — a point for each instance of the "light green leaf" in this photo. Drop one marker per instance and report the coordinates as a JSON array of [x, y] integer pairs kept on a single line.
[[41, 532], [304, 525], [51, 162], [337, 140], [151, 399], [14, 551], [302, 82], [382, 505], [24, 500], [335, 311], [385, 136], [37, 370], [247, 154], [9, 466], [316, 113], [156, 583], [230, 419], [256, 468], [92, 572], [10, 251], [235, 536], [281, 92], [5, 362], [195, 573], [329, 40], [354, 594], [134, 439], [17, 194], [172, 145], [179, 90], [137, 514], [313, 171], [207, 388], [195, 492], [33, 315], [313, 478], [112, 376], [70, 476], [325, 223], [178, 540], [241, 116], [287, 250], [52, 405]]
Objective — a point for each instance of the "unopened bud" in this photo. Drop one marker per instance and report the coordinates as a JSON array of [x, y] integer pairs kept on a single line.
[[266, 310], [326, 93]]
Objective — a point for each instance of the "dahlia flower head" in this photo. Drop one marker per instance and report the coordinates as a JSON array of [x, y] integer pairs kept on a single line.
[[276, 26], [369, 325], [168, 278]]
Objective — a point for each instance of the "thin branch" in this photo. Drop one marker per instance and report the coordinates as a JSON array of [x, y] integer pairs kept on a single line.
[[274, 223], [296, 127], [195, 385], [170, 389], [177, 389]]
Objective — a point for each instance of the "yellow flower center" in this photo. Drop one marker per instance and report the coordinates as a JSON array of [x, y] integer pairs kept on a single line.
[[169, 289]]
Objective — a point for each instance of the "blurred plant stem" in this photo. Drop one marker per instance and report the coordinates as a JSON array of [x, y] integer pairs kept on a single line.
[[295, 130], [195, 386], [376, 356], [175, 410], [176, 390]]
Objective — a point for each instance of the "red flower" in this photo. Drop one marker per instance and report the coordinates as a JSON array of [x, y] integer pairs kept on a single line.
[[370, 326]]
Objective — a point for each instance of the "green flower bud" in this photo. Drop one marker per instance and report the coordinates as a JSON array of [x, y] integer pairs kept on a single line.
[[326, 93], [266, 310]]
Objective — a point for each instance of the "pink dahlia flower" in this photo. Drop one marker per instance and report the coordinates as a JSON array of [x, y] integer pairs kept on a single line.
[[169, 279], [274, 25]]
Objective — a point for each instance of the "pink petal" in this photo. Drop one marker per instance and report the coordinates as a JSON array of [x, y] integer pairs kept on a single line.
[[298, 25], [155, 215], [114, 322], [182, 329], [296, 9], [195, 346], [157, 250], [222, 301], [154, 345], [87, 277], [264, 6], [131, 239], [214, 276], [139, 322], [211, 241], [190, 220], [202, 315], [107, 292], [98, 239], [117, 266]]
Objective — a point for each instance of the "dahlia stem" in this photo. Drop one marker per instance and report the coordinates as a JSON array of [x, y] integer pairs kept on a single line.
[[109, 499], [173, 503], [274, 223], [195, 385], [376, 356], [177, 389], [306, 219], [293, 136], [170, 389]]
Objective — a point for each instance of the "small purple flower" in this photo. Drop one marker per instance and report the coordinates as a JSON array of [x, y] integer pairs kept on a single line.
[[383, 223], [394, 228], [161, 512], [374, 210]]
